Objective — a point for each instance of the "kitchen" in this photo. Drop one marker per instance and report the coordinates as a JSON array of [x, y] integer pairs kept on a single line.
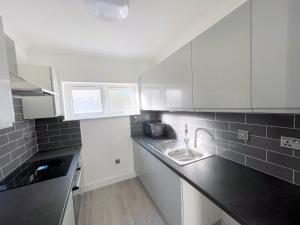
[[165, 112]]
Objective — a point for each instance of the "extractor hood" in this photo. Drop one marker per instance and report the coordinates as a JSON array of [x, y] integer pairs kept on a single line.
[[28, 80], [21, 87]]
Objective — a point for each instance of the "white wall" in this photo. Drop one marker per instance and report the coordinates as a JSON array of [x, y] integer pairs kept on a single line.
[[106, 139]]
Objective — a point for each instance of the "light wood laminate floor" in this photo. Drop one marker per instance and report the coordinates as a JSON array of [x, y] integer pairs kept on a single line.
[[124, 203]]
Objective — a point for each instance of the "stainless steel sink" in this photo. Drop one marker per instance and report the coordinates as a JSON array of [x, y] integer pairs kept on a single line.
[[179, 154]]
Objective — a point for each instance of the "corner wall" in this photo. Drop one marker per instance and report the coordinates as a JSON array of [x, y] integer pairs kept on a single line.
[[103, 140]]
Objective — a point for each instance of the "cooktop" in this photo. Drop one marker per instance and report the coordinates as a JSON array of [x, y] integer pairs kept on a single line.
[[37, 171]]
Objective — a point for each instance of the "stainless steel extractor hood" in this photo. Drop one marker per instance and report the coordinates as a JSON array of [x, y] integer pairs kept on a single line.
[[24, 83], [21, 87]]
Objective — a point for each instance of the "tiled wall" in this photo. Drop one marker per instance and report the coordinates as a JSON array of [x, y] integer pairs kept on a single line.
[[136, 122], [262, 152], [56, 133], [17, 143]]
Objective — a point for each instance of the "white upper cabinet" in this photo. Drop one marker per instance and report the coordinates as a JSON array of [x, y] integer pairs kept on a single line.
[[41, 106], [153, 89], [157, 88], [276, 53], [145, 91], [221, 63], [178, 79], [7, 117]]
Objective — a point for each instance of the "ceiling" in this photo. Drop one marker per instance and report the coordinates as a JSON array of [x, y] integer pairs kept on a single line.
[[153, 26]]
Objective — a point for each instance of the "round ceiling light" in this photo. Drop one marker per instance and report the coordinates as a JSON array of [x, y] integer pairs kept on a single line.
[[112, 10]]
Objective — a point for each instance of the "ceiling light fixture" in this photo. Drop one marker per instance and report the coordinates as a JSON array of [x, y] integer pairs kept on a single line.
[[111, 10]]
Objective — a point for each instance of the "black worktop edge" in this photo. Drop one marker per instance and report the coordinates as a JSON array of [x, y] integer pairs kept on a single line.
[[75, 159]]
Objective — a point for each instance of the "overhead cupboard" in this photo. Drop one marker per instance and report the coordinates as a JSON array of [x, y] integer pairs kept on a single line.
[[41, 106], [7, 117], [168, 85], [276, 54], [248, 61]]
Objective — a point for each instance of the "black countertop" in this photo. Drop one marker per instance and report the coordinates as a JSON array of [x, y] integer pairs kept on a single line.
[[247, 195], [41, 203]]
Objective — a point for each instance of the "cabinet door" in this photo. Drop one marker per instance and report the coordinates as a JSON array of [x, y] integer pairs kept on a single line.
[[69, 217], [197, 209], [276, 53], [153, 89], [221, 63], [145, 91], [38, 107], [162, 184], [179, 80], [7, 117], [157, 88]]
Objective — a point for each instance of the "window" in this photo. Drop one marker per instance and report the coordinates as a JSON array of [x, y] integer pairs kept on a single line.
[[120, 99], [95, 100], [86, 101]]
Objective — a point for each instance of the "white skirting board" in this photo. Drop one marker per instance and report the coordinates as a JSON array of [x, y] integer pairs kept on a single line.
[[108, 181]]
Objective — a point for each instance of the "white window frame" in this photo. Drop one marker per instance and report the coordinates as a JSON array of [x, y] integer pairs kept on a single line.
[[67, 88]]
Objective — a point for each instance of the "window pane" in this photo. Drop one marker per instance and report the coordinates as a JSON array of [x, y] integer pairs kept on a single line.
[[86, 101], [121, 99]]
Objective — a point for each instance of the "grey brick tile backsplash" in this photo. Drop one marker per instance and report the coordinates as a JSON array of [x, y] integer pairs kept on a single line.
[[272, 169], [41, 134], [277, 120], [236, 157], [14, 148], [231, 117], [261, 152], [248, 150], [56, 133], [277, 132]]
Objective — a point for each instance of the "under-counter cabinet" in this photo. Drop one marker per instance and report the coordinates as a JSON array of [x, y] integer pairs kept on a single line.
[[276, 53], [178, 202], [7, 117], [199, 210], [69, 217], [179, 79], [161, 183], [221, 64]]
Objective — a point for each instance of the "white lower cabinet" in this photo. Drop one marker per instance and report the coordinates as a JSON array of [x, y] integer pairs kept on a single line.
[[199, 210], [69, 217], [161, 183], [179, 202]]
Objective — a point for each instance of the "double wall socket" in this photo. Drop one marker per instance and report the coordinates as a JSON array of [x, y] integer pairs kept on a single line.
[[243, 135], [293, 143]]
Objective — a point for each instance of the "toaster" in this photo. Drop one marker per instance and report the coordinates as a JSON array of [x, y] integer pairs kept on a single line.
[[154, 129]]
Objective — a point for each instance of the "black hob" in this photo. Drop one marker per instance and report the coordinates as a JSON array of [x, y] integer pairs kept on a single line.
[[37, 171]]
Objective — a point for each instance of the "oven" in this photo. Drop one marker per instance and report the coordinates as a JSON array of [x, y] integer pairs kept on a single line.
[[76, 191]]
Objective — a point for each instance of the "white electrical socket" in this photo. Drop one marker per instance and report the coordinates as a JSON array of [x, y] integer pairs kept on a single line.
[[292, 143]]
